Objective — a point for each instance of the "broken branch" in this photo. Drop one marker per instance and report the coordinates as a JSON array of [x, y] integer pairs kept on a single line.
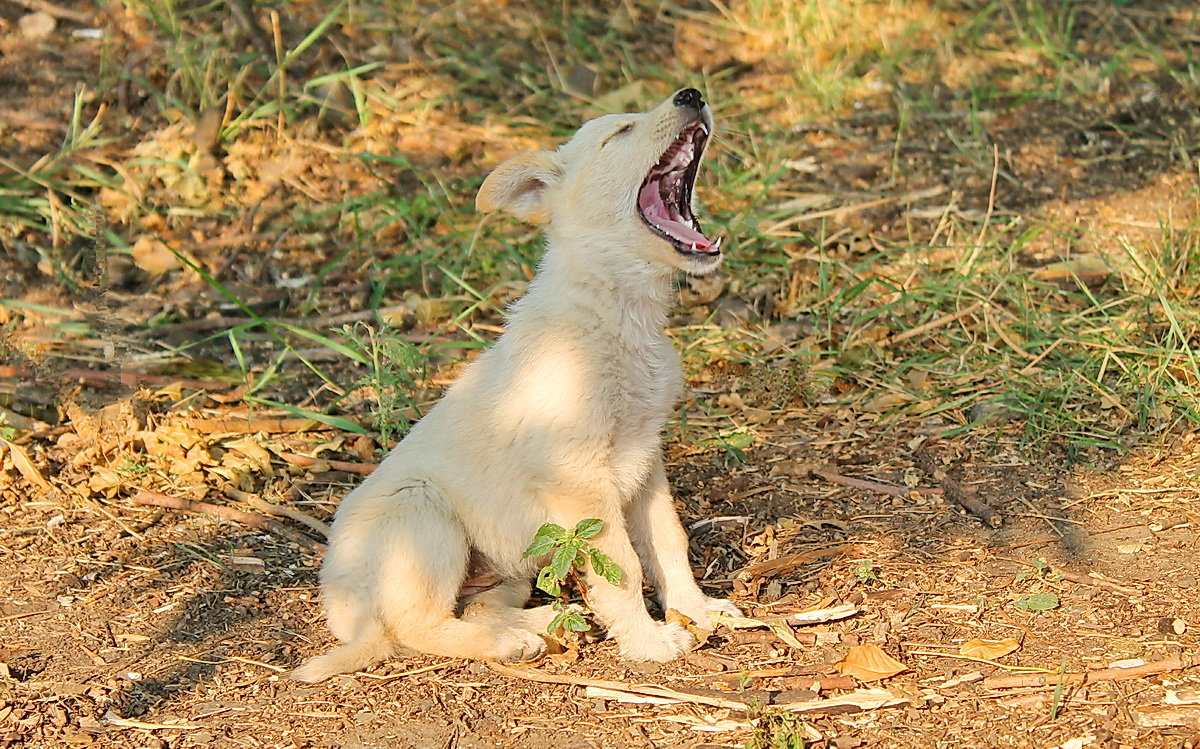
[[304, 461], [1093, 579], [966, 496], [131, 379], [873, 486], [252, 426], [1174, 663], [252, 519], [278, 510]]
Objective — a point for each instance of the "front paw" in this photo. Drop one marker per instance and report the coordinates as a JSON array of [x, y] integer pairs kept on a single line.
[[519, 645], [665, 642]]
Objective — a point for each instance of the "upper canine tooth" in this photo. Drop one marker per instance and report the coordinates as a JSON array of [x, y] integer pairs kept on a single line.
[[717, 244]]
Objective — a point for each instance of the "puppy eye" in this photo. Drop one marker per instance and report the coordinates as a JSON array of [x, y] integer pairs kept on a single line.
[[623, 130]]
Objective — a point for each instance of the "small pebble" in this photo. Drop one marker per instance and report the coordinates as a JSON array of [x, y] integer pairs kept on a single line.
[[37, 26]]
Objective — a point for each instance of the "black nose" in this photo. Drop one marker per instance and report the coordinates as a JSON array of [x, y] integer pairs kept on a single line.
[[689, 97]]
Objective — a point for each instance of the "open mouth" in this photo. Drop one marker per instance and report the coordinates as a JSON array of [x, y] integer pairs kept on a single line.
[[665, 198]]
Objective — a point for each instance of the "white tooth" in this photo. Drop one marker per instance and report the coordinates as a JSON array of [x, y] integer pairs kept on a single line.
[[717, 244]]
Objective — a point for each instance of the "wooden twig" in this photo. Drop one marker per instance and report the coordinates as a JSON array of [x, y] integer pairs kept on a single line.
[[252, 519], [968, 498], [740, 702], [542, 677], [20, 422], [782, 564], [911, 196], [936, 323], [819, 684], [98, 377], [253, 426], [1167, 665], [29, 120], [315, 323], [334, 465], [278, 510], [973, 659], [746, 638], [965, 496], [411, 672], [787, 676], [873, 486], [1098, 582]]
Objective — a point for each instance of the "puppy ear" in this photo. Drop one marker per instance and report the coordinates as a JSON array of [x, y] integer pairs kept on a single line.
[[518, 186]]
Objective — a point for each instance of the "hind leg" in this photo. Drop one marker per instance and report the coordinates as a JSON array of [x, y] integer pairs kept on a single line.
[[393, 573], [504, 605], [420, 575]]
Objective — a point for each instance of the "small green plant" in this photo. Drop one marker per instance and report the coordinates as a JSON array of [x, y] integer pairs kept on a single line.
[[865, 572], [1057, 705], [392, 362], [778, 730], [1040, 571], [7, 431], [1043, 601], [1037, 599], [570, 552], [131, 467]]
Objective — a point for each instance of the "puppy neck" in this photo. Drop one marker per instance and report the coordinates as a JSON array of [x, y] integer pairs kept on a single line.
[[612, 280]]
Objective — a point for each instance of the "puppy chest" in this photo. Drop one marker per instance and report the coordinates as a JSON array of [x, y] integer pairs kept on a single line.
[[639, 410], [643, 395]]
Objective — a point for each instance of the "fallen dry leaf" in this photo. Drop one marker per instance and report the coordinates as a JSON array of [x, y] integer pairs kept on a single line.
[[869, 663], [105, 481], [1089, 270], [699, 634], [25, 465], [988, 650], [153, 256]]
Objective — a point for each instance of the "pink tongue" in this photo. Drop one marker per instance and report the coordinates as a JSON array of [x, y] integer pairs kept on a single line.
[[654, 209]]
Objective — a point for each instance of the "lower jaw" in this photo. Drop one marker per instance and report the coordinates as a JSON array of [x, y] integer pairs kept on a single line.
[[685, 250], [699, 257], [688, 252]]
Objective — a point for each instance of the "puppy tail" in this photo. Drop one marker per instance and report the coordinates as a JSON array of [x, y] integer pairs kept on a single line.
[[365, 651]]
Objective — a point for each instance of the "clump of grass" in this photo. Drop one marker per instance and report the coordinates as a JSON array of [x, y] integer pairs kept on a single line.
[[394, 366], [47, 208]]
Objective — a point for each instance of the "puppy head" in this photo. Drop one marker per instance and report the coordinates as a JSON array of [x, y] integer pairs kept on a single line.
[[623, 181]]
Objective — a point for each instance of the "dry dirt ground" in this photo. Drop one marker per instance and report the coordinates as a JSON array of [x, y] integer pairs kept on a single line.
[[126, 624]]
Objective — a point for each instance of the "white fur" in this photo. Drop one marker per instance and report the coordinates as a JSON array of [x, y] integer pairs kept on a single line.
[[559, 421]]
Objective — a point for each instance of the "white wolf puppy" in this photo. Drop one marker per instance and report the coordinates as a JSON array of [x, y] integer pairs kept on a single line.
[[558, 422]]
